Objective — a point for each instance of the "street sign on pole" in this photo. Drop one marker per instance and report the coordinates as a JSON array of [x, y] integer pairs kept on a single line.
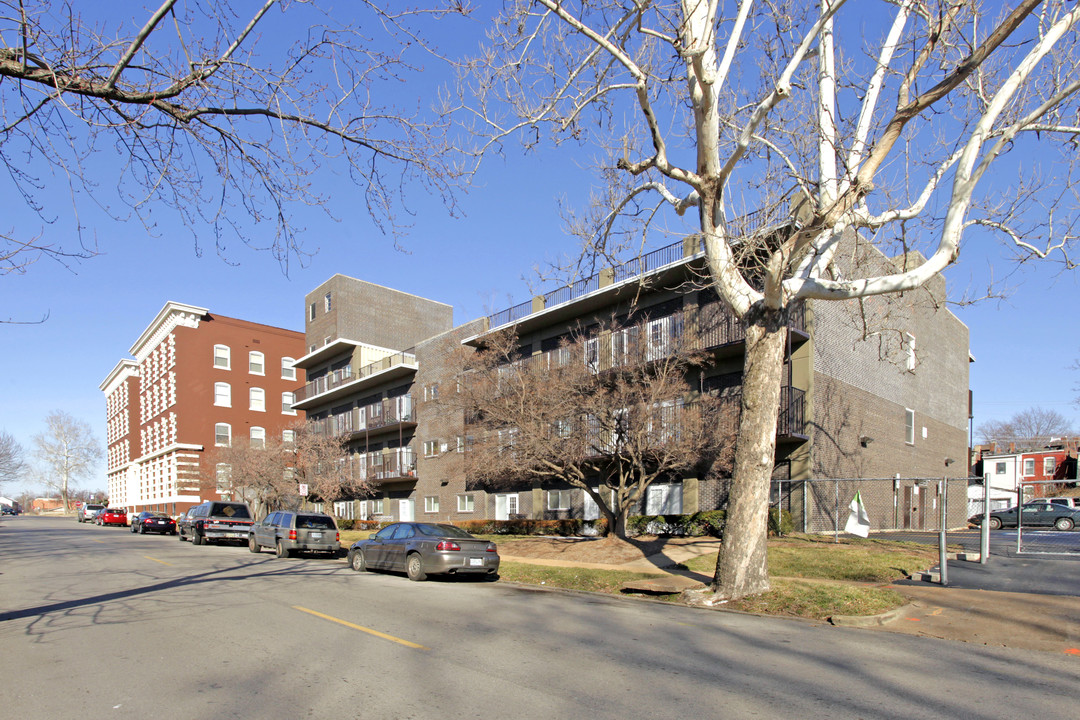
[[303, 489]]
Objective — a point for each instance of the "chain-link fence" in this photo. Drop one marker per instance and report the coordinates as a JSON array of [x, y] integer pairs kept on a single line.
[[1044, 519], [901, 508]]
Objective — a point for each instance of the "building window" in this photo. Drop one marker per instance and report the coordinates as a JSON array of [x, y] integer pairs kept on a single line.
[[222, 395], [288, 438], [431, 392], [288, 372], [558, 500], [258, 437], [1049, 465], [222, 435], [311, 311], [257, 398], [223, 474], [909, 427], [431, 448], [326, 303], [287, 399], [255, 363], [909, 351], [1029, 467], [460, 444], [465, 503], [999, 468], [222, 357], [377, 507], [663, 500], [431, 504]]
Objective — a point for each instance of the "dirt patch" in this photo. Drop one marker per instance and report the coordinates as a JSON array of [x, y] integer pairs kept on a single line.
[[593, 550]]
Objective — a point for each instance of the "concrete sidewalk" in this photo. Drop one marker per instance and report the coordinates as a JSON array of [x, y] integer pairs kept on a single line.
[[1007, 619]]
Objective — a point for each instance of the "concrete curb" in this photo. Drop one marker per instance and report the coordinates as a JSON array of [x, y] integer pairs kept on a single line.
[[867, 621]]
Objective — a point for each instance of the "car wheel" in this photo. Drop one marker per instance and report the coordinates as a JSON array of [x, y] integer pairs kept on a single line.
[[415, 567], [252, 545], [180, 536], [196, 538], [142, 529], [358, 561], [995, 523], [1064, 523], [282, 551]]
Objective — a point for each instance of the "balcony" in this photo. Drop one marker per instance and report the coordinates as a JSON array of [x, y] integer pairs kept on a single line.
[[342, 382], [384, 466], [388, 414]]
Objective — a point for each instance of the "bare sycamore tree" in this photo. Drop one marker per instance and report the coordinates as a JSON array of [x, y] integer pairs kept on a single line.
[[212, 111], [12, 465], [1033, 427], [66, 452], [567, 416], [839, 125]]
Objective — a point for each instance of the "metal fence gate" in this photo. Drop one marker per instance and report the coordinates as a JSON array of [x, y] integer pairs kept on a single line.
[[1043, 525]]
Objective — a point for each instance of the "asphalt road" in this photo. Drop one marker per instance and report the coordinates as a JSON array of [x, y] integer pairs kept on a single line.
[[100, 623]]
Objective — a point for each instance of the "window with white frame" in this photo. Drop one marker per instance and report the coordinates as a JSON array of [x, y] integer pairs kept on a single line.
[[909, 352], [1029, 467], [327, 302], [288, 371], [222, 357], [1049, 465], [466, 503], [431, 392], [257, 399], [222, 435], [558, 500], [431, 504], [311, 311], [999, 468], [377, 506], [664, 499], [222, 394], [256, 363], [592, 354], [288, 438], [431, 448], [460, 444], [258, 437], [287, 400], [223, 475], [909, 426]]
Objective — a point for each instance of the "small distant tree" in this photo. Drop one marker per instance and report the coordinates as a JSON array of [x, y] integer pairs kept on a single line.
[[12, 465], [610, 429], [1033, 427], [66, 452]]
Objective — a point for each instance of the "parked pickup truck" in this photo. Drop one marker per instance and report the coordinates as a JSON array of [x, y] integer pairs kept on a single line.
[[215, 521]]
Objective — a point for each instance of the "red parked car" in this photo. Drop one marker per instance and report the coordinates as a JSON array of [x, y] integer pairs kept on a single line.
[[112, 516]]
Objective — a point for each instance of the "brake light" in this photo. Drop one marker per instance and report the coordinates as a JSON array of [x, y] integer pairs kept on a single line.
[[337, 537], [292, 534], [491, 548], [447, 545]]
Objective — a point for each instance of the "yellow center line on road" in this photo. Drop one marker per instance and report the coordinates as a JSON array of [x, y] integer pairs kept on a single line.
[[361, 628], [157, 561]]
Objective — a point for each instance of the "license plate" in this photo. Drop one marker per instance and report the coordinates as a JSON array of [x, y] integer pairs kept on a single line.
[[236, 535], [476, 562], [316, 536]]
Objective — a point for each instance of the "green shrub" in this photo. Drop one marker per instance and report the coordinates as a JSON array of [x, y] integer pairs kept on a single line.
[[345, 524], [780, 522]]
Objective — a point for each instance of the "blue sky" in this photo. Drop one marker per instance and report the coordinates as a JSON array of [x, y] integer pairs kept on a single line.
[[478, 263]]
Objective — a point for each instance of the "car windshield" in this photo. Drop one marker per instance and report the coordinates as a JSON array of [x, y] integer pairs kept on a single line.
[[442, 531], [316, 522]]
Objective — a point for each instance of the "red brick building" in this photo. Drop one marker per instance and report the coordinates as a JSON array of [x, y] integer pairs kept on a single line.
[[197, 380]]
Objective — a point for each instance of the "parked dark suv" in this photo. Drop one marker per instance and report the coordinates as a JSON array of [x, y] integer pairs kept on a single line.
[[214, 521], [289, 532]]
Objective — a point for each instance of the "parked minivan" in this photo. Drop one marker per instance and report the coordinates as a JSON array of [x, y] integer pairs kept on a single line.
[[213, 521], [287, 532]]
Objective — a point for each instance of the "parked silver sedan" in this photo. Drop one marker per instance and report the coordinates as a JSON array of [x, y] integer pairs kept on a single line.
[[421, 549]]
